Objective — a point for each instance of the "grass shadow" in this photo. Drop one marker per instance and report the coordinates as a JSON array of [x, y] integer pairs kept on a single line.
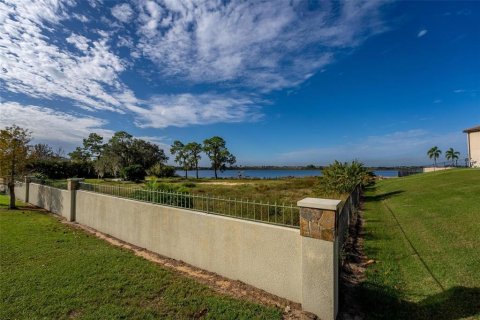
[[455, 303]]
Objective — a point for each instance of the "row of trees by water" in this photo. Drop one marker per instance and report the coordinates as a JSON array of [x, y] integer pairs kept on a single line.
[[121, 156]]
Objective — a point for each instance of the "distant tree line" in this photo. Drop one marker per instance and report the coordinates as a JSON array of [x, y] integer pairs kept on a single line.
[[121, 156], [132, 158]]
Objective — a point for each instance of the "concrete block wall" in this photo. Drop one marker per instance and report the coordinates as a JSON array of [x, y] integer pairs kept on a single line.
[[20, 190], [52, 199], [301, 266], [266, 256]]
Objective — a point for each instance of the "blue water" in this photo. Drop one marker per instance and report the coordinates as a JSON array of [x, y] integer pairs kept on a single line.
[[269, 174]]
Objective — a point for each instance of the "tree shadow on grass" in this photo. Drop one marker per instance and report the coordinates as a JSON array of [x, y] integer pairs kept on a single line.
[[454, 303], [383, 196]]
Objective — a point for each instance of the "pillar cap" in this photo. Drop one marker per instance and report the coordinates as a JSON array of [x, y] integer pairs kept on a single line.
[[317, 203]]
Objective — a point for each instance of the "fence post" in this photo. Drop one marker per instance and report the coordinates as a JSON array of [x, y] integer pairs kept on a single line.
[[320, 255], [27, 180], [72, 187]]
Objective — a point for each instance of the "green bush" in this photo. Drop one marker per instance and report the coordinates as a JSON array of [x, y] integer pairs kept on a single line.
[[341, 178], [189, 185], [133, 173], [169, 194], [62, 169], [162, 171]]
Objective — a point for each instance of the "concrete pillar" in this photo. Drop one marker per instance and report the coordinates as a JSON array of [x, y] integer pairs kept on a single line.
[[26, 181], [72, 187], [318, 224]]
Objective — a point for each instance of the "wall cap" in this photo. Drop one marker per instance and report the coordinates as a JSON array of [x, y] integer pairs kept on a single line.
[[317, 203]]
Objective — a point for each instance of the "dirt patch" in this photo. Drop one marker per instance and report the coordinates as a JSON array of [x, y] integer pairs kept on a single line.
[[222, 183], [352, 271], [222, 285]]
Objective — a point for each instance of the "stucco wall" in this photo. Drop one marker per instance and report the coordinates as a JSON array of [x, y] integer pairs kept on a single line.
[[265, 256], [52, 199], [20, 191], [474, 147]]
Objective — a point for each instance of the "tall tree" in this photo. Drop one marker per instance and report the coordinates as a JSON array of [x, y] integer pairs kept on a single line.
[[181, 156], [453, 155], [41, 151], [216, 150], [79, 155], [13, 156], [93, 145], [194, 150], [146, 154], [434, 153]]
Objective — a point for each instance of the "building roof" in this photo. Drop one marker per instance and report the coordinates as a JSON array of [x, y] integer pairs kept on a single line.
[[473, 129]]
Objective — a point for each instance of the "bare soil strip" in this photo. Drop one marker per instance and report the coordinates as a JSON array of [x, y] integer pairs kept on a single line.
[[352, 271]]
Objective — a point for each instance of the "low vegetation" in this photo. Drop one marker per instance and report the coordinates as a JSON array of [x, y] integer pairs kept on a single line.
[[52, 271], [422, 232], [288, 190], [341, 178]]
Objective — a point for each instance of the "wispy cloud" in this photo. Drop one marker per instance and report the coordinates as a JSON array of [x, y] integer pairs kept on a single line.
[[33, 65], [123, 12], [266, 45], [422, 33], [240, 47], [188, 109]]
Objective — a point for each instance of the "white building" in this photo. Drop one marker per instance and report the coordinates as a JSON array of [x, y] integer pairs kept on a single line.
[[473, 143]]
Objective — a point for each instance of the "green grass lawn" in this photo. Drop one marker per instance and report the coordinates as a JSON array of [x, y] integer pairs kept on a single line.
[[49, 270], [424, 232]]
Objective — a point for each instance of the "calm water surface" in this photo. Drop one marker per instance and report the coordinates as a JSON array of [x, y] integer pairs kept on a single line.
[[269, 174]]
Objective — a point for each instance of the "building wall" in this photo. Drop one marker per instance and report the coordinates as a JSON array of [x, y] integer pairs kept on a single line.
[[52, 199], [265, 256], [474, 147]]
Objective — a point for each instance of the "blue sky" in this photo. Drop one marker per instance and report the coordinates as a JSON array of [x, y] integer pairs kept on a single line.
[[284, 82]]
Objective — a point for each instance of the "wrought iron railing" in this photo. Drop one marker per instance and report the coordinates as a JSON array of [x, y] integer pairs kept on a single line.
[[273, 213], [60, 184]]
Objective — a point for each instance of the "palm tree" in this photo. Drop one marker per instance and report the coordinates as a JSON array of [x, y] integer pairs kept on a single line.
[[434, 153], [453, 155]]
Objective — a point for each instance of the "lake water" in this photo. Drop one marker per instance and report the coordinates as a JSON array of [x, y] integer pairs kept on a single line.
[[270, 174]]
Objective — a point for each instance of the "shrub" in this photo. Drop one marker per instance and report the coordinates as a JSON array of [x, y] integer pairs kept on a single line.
[[162, 171], [134, 172], [189, 185], [61, 168], [343, 177], [169, 194]]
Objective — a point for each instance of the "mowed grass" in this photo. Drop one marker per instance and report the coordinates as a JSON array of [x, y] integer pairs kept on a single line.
[[423, 231], [49, 270]]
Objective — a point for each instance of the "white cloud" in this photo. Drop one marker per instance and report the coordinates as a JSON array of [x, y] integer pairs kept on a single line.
[[397, 148], [264, 45], [187, 109], [123, 12], [79, 41], [33, 65], [49, 125], [267, 45], [421, 33]]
